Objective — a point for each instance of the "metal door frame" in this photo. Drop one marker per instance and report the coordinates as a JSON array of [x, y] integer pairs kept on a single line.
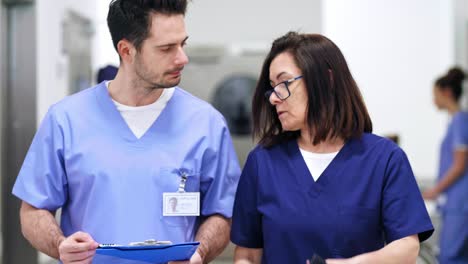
[[2, 105], [18, 118]]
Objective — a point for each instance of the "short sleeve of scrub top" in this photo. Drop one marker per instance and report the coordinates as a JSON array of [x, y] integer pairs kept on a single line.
[[247, 233], [401, 199], [460, 131], [45, 168], [220, 176]]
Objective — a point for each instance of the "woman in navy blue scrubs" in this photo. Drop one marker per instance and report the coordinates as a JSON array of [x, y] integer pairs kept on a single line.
[[453, 171], [319, 182]]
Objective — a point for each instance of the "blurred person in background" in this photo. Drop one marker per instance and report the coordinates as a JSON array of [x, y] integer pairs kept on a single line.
[[106, 73], [106, 155], [319, 182], [452, 181]]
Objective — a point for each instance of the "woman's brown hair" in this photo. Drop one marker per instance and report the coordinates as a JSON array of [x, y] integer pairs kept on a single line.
[[335, 108]]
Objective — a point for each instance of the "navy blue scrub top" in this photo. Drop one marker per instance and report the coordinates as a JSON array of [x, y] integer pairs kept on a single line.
[[365, 198]]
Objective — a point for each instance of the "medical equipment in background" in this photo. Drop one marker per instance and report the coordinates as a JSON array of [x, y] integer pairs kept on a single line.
[[226, 76]]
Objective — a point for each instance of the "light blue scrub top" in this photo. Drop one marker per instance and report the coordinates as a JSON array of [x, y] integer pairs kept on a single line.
[[455, 138], [86, 160], [453, 240]]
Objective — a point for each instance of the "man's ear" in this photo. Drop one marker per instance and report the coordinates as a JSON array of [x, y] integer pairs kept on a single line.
[[126, 50]]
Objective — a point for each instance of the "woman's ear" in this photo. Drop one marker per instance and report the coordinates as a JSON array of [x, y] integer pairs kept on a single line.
[[447, 93]]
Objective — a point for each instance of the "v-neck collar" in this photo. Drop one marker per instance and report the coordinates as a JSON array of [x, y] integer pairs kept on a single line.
[[118, 123], [301, 171]]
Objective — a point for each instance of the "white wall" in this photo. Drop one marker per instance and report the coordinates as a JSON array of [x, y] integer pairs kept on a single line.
[[461, 30], [461, 41], [241, 22], [52, 64], [395, 50]]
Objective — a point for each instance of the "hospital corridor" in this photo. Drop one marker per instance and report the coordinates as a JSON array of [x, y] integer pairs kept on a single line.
[[85, 145]]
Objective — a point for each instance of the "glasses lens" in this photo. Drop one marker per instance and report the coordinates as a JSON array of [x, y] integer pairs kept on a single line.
[[282, 91], [268, 94]]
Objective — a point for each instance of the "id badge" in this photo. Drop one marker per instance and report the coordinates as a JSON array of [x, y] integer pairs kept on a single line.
[[181, 204]]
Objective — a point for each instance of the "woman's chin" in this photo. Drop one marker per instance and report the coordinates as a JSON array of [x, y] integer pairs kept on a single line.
[[287, 127]]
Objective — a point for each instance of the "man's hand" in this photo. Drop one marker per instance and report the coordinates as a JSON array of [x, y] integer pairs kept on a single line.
[[195, 259], [78, 248]]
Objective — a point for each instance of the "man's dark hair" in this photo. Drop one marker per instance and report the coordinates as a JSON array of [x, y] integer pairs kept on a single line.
[[335, 107], [131, 20]]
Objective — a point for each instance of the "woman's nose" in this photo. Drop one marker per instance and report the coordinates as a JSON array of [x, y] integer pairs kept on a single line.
[[274, 99]]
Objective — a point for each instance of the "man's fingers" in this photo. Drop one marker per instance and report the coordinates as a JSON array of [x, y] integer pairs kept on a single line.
[[79, 247], [82, 237], [81, 257], [75, 247]]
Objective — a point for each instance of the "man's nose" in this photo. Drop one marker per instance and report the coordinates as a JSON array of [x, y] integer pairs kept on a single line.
[[181, 57]]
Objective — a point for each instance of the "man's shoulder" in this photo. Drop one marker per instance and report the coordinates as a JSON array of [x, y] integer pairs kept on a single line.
[[194, 104], [182, 95], [77, 100]]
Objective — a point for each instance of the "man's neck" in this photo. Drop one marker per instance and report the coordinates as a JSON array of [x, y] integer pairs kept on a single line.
[[129, 91]]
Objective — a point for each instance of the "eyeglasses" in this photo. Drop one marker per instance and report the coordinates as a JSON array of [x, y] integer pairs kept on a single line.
[[281, 90]]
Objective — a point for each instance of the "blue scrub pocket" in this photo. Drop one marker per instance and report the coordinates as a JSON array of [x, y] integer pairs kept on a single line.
[[169, 178], [175, 221], [360, 230]]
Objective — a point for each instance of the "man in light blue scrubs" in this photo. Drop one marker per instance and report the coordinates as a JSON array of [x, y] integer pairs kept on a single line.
[[114, 155]]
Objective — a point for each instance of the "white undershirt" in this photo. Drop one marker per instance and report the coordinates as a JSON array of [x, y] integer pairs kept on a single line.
[[317, 162], [140, 118]]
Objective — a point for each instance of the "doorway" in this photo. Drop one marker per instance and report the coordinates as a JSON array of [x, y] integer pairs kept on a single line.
[[18, 117]]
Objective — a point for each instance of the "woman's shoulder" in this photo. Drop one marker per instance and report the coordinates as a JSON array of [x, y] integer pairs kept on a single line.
[[371, 140], [261, 150], [377, 146]]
